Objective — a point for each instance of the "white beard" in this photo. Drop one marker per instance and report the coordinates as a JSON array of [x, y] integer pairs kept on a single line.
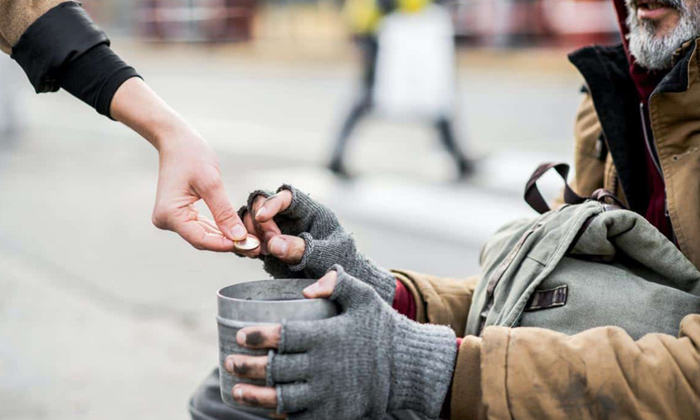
[[656, 52]]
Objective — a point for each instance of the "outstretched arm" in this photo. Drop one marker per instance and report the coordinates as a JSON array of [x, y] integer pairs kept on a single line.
[[599, 373], [59, 47]]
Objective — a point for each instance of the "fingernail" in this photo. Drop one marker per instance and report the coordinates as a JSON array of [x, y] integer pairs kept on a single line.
[[261, 212], [237, 392], [229, 364], [240, 338], [278, 247], [238, 232]]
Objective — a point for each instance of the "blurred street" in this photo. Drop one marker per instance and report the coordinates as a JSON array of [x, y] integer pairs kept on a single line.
[[102, 316]]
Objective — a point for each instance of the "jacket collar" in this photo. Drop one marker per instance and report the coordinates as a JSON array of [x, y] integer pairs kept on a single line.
[[606, 72]]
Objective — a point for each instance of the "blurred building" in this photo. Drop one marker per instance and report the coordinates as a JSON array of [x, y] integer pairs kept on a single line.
[[494, 23], [197, 20], [507, 23]]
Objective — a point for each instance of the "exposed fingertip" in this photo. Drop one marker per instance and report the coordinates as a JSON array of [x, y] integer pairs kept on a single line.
[[311, 291], [238, 393], [228, 365], [239, 232], [241, 337], [259, 216], [278, 247]]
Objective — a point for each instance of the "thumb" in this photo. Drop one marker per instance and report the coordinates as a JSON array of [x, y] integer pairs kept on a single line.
[[323, 288], [225, 216], [289, 249]]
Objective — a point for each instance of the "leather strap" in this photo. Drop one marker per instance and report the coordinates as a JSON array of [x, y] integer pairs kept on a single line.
[[534, 198]]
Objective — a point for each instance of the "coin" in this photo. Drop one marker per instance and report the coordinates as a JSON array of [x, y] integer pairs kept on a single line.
[[248, 244]]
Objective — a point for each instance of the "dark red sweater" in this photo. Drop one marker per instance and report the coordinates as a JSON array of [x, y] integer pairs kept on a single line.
[[646, 81]]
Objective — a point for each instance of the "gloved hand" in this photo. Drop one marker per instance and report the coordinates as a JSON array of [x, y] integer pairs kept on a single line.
[[303, 238], [363, 363]]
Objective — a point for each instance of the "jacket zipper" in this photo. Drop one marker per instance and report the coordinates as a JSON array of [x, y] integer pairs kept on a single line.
[[648, 142], [653, 153]]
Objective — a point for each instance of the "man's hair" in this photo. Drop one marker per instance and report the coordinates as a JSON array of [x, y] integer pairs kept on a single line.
[[656, 52]]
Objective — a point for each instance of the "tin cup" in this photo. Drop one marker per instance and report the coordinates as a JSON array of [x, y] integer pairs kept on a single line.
[[260, 303]]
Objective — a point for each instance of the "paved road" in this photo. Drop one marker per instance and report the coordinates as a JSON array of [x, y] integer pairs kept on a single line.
[[102, 316]]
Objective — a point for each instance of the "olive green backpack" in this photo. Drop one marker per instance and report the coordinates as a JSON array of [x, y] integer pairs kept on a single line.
[[587, 264]]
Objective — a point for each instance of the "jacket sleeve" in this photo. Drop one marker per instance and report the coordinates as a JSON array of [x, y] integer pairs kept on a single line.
[[59, 47], [599, 373], [17, 15], [443, 301]]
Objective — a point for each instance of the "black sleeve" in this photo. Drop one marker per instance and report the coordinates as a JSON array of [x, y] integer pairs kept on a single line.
[[65, 49]]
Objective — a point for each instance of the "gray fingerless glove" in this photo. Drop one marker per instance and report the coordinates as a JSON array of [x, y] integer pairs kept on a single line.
[[363, 363], [327, 243]]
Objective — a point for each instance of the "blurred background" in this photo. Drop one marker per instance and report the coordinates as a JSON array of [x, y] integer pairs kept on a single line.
[[103, 316]]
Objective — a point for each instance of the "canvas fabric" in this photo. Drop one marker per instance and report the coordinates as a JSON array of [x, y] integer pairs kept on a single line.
[[584, 266]]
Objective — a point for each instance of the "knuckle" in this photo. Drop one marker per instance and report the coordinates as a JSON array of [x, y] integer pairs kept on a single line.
[[159, 218], [209, 179], [225, 213]]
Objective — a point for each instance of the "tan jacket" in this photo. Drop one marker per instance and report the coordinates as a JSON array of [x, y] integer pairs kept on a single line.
[[675, 124], [17, 15], [532, 373]]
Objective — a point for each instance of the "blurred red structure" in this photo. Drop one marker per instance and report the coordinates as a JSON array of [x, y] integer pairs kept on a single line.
[[197, 20], [534, 22]]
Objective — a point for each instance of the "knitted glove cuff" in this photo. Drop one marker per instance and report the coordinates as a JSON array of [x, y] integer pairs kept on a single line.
[[308, 250], [255, 194], [304, 208], [383, 281], [320, 255], [423, 363]]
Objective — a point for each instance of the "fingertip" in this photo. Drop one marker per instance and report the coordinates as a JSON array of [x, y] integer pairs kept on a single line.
[[241, 337], [261, 214], [238, 392], [321, 289], [239, 232], [310, 292], [278, 247]]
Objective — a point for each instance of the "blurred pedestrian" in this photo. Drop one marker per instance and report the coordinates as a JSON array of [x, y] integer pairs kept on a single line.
[[365, 18], [59, 47]]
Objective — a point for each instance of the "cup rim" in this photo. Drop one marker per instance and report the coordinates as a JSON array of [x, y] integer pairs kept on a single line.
[[223, 297]]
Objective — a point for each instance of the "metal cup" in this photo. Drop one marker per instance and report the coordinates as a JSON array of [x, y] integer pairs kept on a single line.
[[259, 303]]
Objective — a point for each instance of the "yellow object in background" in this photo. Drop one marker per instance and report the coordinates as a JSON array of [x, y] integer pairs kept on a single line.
[[412, 6], [364, 16]]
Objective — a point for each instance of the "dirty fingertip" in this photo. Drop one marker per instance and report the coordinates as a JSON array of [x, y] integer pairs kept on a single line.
[[238, 392], [241, 337]]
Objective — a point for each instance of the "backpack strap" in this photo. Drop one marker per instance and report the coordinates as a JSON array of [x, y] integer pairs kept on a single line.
[[601, 195], [534, 198]]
